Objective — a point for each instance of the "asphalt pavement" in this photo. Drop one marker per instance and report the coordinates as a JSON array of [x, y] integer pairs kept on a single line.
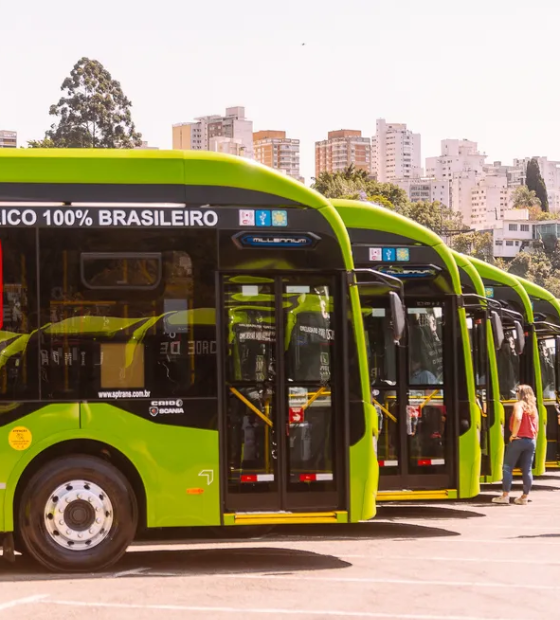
[[468, 560]]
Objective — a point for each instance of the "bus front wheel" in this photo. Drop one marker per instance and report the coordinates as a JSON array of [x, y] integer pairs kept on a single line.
[[77, 513]]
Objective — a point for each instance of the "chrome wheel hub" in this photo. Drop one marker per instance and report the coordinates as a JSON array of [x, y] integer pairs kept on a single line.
[[78, 515]]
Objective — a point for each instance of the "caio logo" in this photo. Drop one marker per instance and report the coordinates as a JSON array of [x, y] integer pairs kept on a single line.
[[166, 407]]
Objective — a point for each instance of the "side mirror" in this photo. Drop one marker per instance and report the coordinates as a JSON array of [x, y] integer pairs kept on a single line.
[[497, 329], [520, 337], [397, 315]]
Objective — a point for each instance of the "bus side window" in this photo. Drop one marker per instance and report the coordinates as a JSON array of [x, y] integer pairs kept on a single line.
[[18, 340], [128, 322]]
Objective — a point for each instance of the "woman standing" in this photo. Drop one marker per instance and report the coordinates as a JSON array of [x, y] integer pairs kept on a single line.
[[524, 425]]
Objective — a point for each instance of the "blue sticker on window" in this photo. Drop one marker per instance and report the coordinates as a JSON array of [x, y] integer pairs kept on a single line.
[[262, 218], [489, 292], [403, 254], [389, 254], [279, 218]]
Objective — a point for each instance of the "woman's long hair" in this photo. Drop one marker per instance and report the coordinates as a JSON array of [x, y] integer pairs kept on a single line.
[[528, 400]]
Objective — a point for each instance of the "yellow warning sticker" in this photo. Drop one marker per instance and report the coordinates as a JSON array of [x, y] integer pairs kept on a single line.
[[20, 438]]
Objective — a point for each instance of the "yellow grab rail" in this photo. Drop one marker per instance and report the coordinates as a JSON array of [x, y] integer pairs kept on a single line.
[[251, 406]]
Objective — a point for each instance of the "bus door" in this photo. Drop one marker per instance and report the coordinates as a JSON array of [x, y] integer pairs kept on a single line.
[[426, 435], [513, 367], [282, 428], [408, 392], [548, 360], [476, 325]]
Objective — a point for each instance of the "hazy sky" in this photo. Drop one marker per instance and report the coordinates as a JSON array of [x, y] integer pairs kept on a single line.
[[483, 70]]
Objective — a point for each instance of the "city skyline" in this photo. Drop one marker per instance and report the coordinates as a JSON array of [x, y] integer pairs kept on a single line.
[[178, 64]]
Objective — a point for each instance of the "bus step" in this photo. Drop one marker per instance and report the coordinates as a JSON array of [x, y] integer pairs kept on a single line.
[[397, 496], [281, 518], [552, 464]]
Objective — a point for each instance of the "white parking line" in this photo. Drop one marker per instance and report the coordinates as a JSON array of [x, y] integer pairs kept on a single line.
[[271, 611], [22, 601], [409, 558], [421, 583], [134, 571]]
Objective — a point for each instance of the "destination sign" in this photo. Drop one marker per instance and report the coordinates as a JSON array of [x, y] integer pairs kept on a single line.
[[70, 217], [409, 272], [276, 240]]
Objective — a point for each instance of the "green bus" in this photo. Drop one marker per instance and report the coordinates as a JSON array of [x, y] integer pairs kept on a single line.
[[518, 356], [424, 391], [484, 325], [170, 326], [546, 310]]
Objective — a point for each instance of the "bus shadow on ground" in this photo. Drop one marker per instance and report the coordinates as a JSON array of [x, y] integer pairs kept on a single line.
[[410, 511], [370, 530], [537, 536], [539, 487], [199, 562], [550, 476], [220, 560]]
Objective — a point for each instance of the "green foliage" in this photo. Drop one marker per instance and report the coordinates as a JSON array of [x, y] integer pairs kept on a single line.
[[435, 216], [535, 183], [540, 265], [93, 113], [46, 143], [477, 244], [520, 265], [356, 183], [546, 215], [524, 198]]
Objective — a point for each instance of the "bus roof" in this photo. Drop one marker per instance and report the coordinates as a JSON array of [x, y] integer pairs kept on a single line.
[[539, 292], [357, 214], [181, 172], [492, 272], [465, 264]]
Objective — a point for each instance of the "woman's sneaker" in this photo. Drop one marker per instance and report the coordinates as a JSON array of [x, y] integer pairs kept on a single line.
[[521, 500], [501, 499]]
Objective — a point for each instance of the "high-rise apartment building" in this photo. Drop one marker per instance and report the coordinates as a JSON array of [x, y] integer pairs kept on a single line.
[[232, 133], [341, 149], [273, 149], [489, 201], [456, 156], [425, 189], [8, 139], [395, 152], [462, 165]]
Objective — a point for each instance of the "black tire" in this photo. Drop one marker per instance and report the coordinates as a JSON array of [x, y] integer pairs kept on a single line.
[[31, 519]]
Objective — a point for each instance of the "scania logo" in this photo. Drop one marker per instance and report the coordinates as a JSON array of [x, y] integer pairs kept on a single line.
[[163, 407]]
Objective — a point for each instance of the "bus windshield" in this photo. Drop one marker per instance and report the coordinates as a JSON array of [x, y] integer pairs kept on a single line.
[[508, 365], [547, 356], [380, 345]]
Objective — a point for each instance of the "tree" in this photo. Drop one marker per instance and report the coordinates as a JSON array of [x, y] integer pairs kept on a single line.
[[542, 216], [535, 183], [435, 216], [524, 198], [521, 264], [375, 199], [477, 244], [355, 182], [338, 184], [46, 143], [93, 113]]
